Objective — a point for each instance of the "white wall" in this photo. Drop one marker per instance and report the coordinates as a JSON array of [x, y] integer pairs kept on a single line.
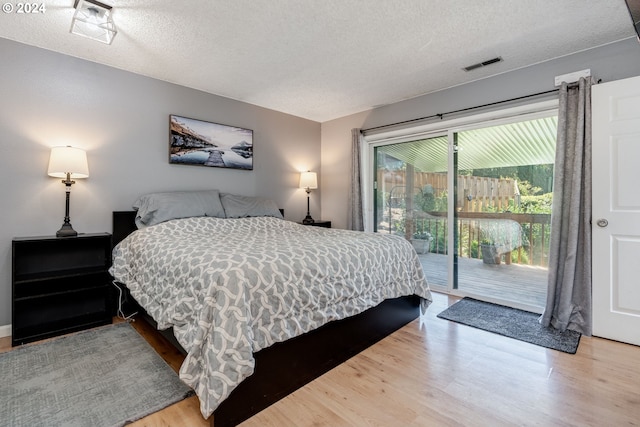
[[611, 62], [122, 120]]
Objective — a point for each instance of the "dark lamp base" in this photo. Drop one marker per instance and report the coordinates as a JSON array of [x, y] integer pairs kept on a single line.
[[66, 231], [308, 220]]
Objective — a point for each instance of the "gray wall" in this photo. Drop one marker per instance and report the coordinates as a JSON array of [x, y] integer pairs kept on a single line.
[[611, 62], [122, 120]]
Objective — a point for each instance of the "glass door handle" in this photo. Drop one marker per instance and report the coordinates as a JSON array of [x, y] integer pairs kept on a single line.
[[602, 222]]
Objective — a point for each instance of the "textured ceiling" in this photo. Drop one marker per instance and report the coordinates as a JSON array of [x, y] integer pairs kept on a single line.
[[324, 59]]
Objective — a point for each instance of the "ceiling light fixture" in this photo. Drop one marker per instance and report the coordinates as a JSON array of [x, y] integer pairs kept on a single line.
[[93, 19]]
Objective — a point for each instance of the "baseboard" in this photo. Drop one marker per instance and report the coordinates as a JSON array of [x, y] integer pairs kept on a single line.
[[5, 331]]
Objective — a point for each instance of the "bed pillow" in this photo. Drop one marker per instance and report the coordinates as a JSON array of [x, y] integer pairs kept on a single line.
[[155, 208], [236, 206]]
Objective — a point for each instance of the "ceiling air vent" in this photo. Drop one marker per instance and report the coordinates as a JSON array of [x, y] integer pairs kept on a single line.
[[483, 63]]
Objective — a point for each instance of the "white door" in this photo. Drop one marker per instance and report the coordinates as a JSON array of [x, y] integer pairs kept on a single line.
[[616, 210]]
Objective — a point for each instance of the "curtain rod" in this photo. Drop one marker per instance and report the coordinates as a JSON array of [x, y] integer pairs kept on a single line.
[[441, 115]]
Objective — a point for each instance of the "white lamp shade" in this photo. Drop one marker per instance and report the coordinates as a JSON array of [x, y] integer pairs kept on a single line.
[[65, 160], [309, 180]]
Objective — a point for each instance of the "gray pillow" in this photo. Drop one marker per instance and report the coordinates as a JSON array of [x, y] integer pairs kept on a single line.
[[155, 208], [236, 206]]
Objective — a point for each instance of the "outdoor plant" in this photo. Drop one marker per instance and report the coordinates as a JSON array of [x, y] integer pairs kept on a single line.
[[422, 235], [421, 242]]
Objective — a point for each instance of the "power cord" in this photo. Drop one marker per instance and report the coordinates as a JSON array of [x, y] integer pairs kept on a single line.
[[120, 313]]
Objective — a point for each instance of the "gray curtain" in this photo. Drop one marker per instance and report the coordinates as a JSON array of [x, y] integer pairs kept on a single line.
[[355, 220], [569, 288]]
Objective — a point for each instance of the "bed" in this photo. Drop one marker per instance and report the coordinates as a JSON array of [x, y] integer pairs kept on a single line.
[[260, 305]]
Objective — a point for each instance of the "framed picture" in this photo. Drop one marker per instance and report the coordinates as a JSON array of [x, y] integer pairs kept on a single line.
[[195, 142]]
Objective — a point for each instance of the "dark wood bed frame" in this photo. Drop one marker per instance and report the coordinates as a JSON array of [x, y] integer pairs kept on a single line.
[[284, 367]]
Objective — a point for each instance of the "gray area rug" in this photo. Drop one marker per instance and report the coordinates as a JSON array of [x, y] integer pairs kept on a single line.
[[107, 376], [510, 322]]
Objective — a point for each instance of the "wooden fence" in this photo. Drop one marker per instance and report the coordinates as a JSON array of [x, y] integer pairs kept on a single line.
[[475, 193]]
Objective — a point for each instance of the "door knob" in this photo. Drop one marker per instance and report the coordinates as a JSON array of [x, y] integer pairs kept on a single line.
[[602, 222]]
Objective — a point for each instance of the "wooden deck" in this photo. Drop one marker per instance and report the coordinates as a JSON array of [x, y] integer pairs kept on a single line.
[[521, 284]]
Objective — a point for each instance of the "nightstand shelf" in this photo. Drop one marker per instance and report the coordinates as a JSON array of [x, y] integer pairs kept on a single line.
[[320, 223], [59, 285]]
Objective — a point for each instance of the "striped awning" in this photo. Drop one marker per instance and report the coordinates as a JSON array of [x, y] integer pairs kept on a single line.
[[530, 142]]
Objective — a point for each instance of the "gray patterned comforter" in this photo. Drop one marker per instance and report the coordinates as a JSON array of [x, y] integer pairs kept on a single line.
[[230, 287]]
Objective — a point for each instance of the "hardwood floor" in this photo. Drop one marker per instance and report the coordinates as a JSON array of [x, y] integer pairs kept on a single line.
[[451, 374], [443, 373]]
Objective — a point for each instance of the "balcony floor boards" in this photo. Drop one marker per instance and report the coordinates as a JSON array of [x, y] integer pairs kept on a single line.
[[522, 284]]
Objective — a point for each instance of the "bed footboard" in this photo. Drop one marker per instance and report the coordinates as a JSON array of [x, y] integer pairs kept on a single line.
[[284, 367]]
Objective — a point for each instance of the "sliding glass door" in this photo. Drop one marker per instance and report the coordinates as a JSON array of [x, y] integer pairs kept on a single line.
[[411, 198], [494, 184], [503, 198]]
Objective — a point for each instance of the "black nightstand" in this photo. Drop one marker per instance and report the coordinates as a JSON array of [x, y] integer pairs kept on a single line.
[[320, 223], [59, 285]]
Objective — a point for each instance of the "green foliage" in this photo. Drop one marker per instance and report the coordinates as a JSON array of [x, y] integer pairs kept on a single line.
[[524, 257], [536, 204], [425, 202], [473, 250], [439, 244], [527, 189], [442, 202]]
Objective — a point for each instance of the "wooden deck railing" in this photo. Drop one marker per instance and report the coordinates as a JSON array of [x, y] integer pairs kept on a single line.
[[529, 246]]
